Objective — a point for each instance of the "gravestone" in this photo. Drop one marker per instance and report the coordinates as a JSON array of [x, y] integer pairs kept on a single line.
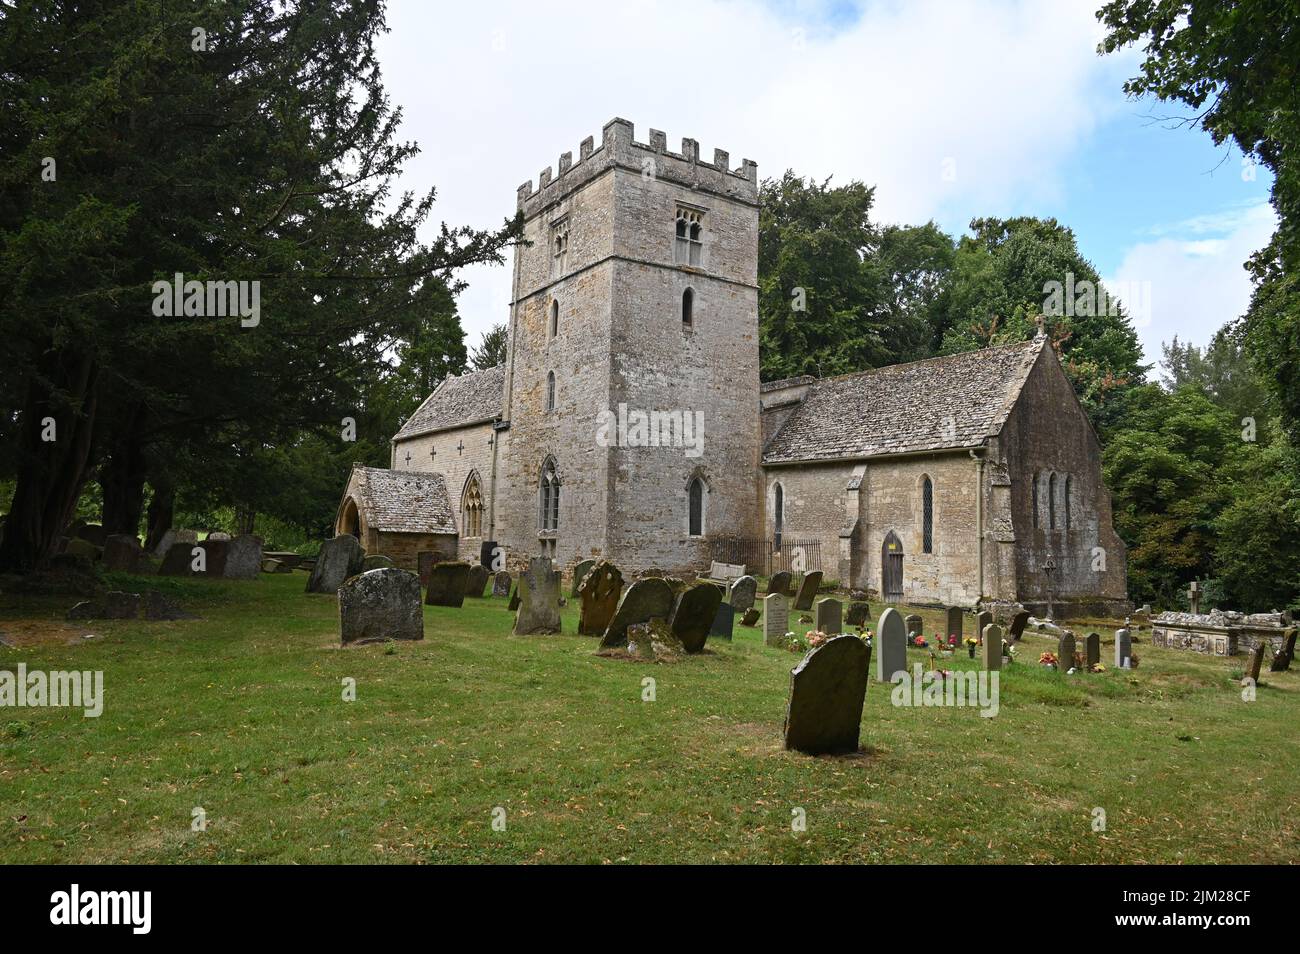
[[914, 625], [776, 618], [808, 590], [742, 593], [859, 613], [513, 604], [424, 563], [243, 557], [475, 580], [827, 616], [723, 622], [446, 586], [1282, 659], [274, 566], [1065, 650], [487, 554], [693, 613], [1256, 661], [1092, 649], [579, 571], [891, 645], [956, 618], [219, 535], [779, 583], [337, 560], [379, 605], [173, 536], [501, 584], [823, 715], [981, 620], [378, 562], [654, 640], [1018, 624], [991, 655], [539, 599], [215, 554], [751, 617], [1194, 597], [645, 598], [122, 552], [1123, 649], [599, 592], [93, 532], [178, 561]]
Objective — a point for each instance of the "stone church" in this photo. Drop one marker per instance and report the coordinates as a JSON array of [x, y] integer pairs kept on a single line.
[[629, 423]]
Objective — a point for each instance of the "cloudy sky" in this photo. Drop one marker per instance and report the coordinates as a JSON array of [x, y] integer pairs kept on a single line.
[[950, 108]]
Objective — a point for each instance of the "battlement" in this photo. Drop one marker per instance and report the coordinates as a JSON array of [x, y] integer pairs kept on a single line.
[[619, 148]]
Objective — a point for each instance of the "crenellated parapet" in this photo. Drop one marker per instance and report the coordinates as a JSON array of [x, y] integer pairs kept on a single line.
[[619, 149]]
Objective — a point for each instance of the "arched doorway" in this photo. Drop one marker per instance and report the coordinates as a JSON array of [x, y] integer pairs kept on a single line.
[[350, 523], [891, 568]]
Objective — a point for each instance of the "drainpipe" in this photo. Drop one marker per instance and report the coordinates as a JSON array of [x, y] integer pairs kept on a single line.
[[977, 455]]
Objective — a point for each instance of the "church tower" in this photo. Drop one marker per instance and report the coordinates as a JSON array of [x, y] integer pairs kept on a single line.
[[630, 406]]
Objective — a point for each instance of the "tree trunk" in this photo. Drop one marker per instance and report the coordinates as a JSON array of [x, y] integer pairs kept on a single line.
[[162, 511], [51, 473], [122, 476]]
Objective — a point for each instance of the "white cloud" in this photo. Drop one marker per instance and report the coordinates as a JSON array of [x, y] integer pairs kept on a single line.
[[1192, 285], [998, 93]]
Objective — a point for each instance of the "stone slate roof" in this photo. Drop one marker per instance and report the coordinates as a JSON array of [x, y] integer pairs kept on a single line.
[[466, 399], [404, 501], [954, 401]]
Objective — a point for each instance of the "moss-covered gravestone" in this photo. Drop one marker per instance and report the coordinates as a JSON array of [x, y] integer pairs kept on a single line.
[[644, 599], [379, 605], [539, 599], [824, 713]]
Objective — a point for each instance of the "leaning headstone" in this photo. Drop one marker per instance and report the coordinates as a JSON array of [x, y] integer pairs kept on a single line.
[[274, 566], [179, 560], [779, 583], [1256, 661], [723, 622], [122, 552], [776, 618], [827, 616], [808, 590], [742, 593], [501, 583], [1018, 624], [824, 713], [891, 645], [1123, 649], [1282, 659], [654, 640], [1092, 649], [379, 605], [378, 562], [446, 586], [955, 620], [600, 589], [476, 580], [914, 625], [1065, 651], [693, 613], [751, 617], [243, 557], [647, 597], [338, 559], [513, 604], [858, 614], [539, 599], [991, 655], [579, 571]]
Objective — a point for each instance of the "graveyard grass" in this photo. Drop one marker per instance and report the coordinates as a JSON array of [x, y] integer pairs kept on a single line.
[[240, 713]]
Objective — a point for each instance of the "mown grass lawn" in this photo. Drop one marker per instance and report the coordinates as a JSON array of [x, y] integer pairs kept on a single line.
[[241, 713]]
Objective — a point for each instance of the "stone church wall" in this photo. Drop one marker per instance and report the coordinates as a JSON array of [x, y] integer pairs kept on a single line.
[[460, 452]]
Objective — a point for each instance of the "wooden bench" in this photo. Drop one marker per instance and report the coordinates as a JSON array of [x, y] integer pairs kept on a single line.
[[726, 573]]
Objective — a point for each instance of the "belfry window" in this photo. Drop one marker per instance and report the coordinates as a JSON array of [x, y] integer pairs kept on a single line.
[[689, 246]]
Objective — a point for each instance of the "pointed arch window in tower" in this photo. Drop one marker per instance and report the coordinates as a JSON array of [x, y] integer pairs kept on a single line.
[[689, 246], [549, 497]]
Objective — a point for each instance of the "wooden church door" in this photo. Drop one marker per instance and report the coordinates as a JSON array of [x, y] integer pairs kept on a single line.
[[891, 568]]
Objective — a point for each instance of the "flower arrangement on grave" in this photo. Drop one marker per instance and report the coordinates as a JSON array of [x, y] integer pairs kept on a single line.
[[971, 643], [815, 637], [919, 641], [1013, 650], [1079, 661], [1132, 661], [952, 640], [1048, 659], [1097, 667]]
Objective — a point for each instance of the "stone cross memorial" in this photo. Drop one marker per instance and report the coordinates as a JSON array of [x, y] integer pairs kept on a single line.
[[824, 713], [891, 645]]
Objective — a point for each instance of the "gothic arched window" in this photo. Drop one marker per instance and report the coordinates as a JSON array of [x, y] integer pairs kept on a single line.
[[1066, 502], [688, 308], [471, 506], [548, 497], [927, 516], [550, 391], [696, 503], [778, 515]]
